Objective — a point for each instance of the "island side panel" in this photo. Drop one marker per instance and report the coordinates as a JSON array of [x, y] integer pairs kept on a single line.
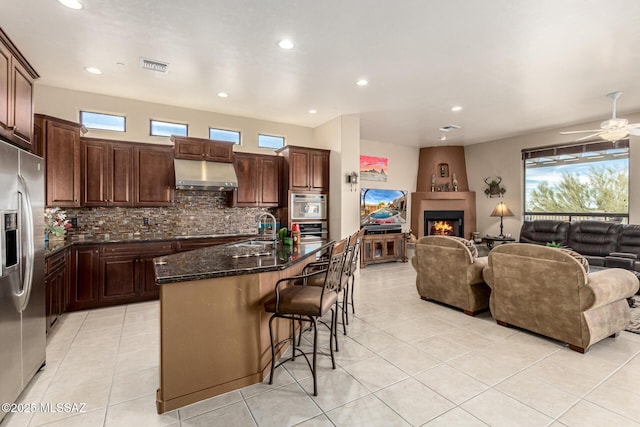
[[215, 336]]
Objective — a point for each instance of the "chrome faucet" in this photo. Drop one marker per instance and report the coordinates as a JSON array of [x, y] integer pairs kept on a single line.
[[273, 224]]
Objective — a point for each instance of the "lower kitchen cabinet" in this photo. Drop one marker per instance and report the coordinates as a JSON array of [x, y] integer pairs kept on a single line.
[[57, 285], [121, 273], [376, 248]]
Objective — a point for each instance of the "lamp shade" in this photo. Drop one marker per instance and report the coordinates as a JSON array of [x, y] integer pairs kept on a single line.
[[501, 210]]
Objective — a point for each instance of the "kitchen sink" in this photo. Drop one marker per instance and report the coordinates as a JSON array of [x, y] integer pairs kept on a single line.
[[252, 244]]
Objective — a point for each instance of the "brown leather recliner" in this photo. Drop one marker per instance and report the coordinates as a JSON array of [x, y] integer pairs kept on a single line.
[[448, 273]]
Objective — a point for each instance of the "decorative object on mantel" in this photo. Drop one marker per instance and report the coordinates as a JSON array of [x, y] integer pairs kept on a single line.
[[454, 182], [433, 182], [494, 190], [56, 224], [501, 210]]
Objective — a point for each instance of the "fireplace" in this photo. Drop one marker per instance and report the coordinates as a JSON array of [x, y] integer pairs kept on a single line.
[[444, 223]]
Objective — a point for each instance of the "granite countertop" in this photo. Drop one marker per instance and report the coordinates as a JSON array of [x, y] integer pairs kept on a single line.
[[53, 247], [231, 260]]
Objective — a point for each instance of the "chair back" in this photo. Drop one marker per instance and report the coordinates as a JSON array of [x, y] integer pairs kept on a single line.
[[356, 252], [333, 279]]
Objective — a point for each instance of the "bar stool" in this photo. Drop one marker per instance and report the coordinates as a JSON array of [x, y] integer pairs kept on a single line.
[[353, 266], [308, 303]]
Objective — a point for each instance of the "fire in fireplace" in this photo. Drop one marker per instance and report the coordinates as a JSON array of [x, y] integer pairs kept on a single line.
[[444, 223]]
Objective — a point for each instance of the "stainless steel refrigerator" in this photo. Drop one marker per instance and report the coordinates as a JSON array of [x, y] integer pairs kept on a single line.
[[22, 289]]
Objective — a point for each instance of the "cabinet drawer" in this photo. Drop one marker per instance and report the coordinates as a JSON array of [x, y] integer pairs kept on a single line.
[[135, 248], [189, 245], [55, 262]]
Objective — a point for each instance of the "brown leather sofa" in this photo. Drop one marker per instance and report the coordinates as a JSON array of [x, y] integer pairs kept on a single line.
[[447, 272], [547, 291], [603, 244]]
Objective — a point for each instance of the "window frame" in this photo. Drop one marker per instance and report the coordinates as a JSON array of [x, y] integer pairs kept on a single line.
[[575, 149], [226, 130], [284, 141], [186, 125], [124, 120]]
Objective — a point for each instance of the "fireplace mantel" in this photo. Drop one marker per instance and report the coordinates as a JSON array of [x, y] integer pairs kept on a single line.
[[449, 200]]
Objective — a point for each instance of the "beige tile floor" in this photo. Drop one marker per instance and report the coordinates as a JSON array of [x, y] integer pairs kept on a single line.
[[404, 362]]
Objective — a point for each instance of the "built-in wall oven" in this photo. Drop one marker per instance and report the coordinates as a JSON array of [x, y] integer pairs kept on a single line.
[[313, 231], [308, 206]]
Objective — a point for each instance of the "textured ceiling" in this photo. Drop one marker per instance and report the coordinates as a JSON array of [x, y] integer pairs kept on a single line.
[[516, 66]]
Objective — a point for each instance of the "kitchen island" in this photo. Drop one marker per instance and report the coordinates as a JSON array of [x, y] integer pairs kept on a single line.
[[214, 333]]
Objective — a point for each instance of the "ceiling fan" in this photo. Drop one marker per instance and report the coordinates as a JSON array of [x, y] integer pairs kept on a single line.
[[612, 129]]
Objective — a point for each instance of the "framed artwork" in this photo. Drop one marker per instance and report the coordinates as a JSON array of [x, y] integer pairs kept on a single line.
[[374, 168]]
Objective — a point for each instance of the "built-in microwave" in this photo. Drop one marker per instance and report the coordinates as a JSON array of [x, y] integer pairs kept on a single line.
[[308, 206]]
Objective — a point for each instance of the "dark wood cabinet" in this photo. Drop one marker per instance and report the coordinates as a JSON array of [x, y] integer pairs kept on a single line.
[[85, 275], [259, 178], [307, 169], [57, 284], [154, 176], [61, 144], [118, 279], [378, 248], [107, 170], [202, 149], [16, 95], [191, 244]]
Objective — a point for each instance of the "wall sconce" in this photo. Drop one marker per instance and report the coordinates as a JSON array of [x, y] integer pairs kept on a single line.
[[352, 178]]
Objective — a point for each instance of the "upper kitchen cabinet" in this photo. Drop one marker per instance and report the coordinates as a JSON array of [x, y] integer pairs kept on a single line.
[[307, 169], [154, 176], [107, 170], [16, 95], [202, 149], [60, 140], [258, 180]]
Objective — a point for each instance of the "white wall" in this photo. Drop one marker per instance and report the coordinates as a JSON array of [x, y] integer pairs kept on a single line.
[[403, 169], [66, 104], [342, 136], [503, 158]]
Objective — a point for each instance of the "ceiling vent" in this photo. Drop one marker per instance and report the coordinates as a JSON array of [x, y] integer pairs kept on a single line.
[[153, 65], [450, 128]]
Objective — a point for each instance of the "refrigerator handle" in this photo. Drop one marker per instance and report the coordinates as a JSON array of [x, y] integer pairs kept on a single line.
[[26, 216]]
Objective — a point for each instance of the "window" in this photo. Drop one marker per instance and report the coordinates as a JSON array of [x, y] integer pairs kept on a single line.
[[269, 141], [102, 121], [575, 182], [224, 135], [159, 128]]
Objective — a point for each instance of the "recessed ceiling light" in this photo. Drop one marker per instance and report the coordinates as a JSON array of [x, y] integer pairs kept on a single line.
[[71, 4], [92, 70], [362, 82], [443, 138], [223, 94], [456, 108], [313, 111], [286, 44]]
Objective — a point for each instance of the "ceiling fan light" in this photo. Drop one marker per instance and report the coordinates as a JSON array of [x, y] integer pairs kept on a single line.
[[615, 135]]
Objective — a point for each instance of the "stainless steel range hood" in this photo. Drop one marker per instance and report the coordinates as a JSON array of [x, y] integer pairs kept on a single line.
[[202, 175]]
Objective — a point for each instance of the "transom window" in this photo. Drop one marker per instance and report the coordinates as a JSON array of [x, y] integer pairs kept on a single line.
[[224, 135], [270, 141], [160, 128], [103, 121], [575, 182]]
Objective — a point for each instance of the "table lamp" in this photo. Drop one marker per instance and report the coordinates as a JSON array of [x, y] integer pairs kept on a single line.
[[501, 210]]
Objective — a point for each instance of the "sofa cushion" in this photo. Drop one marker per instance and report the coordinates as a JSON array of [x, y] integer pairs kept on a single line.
[[629, 239], [469, 244], [594, 238], [581, 260], [541, 232]]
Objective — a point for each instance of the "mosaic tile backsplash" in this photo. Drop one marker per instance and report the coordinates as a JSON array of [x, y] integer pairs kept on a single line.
[[194, 213]]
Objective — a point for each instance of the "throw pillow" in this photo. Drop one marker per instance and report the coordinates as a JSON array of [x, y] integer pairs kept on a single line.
[[582, 260], [470, 245]]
